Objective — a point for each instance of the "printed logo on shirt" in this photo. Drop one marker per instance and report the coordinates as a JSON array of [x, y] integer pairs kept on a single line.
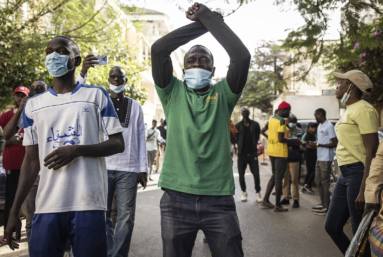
[[72, 138], [85, 109], [212, 99]]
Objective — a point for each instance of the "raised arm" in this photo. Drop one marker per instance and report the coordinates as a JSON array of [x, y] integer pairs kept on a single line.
[[239, 54], [11, 128], [162, 68]]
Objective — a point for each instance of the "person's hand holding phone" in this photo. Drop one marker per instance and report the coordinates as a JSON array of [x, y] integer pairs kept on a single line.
[[88, 62]]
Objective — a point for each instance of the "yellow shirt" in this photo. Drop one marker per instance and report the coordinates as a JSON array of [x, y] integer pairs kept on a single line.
[[276, 149], [360, 118]]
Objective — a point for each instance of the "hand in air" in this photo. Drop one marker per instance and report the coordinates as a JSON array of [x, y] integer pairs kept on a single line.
[[61, 157], [88, 62], [191, 11]]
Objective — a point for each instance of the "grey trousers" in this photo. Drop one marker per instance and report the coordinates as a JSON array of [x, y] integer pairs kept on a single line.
[[322, 179], [30, 207], [151, 158]]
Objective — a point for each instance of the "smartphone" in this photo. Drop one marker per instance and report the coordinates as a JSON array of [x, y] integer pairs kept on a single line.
[[102, 60]]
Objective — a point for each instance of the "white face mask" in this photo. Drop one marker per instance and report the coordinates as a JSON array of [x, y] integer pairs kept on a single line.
[[117, 89], [346, 95]]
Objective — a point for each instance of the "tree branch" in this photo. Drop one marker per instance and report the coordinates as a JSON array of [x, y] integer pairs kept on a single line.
[[87, 22]]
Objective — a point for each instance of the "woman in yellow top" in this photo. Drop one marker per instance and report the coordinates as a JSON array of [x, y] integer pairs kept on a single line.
[[357, 133]]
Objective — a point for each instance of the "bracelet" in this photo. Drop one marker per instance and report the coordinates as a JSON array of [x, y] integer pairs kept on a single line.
[[317, 144]]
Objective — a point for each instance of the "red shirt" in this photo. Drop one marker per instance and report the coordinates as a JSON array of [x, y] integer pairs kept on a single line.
[[13, 155]]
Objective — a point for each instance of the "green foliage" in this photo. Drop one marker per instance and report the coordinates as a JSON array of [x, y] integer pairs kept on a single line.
[[21, 47], [258, 91], [307, 41], [265, 78], [96, 29], [365, 56]]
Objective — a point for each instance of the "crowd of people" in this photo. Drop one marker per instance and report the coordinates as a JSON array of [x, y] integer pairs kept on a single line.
[[355, 141], [74, 154]]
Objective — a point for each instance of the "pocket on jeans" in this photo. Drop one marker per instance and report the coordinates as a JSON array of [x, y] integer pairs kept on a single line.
[[163, 200], [227, 203], [355, 167]]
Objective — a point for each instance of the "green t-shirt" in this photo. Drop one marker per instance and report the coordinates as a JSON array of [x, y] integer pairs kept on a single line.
[[198, 156]]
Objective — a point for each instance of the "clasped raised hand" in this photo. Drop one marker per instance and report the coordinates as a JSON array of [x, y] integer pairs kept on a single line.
[[191, 11]]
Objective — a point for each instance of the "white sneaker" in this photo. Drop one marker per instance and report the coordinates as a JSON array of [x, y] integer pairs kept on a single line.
[[68, 254], [244, 197], [258, 197]]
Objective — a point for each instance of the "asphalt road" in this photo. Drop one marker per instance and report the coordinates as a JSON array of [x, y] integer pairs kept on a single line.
[[297, 232]]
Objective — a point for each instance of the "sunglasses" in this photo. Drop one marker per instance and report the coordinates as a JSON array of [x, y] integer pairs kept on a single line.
[[116, 76]]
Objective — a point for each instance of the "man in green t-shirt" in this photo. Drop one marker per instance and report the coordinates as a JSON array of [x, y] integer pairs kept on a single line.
[[197, 173]]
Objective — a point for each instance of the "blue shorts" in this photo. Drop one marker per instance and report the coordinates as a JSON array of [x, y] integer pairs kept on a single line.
[[85, 230]]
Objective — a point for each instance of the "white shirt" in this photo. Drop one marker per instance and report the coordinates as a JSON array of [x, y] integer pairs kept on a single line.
[[133, 159], [152, 137], [81, 117], [82, 80], [325, 132]]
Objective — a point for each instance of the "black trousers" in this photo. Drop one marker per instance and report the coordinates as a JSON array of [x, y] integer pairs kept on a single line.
[[311, 160], [11, 182], [252, 160]]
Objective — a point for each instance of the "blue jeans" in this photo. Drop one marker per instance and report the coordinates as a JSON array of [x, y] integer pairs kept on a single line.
[[51, 231], [182, 215], [342, 205], [125, 185]]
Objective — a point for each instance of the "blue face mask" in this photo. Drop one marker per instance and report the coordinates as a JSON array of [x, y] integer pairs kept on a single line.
[[292, 125], [57, 64], [197, 78], [117, 89]]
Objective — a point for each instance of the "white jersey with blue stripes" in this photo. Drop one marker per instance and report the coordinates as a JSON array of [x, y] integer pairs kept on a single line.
[[81, 117]]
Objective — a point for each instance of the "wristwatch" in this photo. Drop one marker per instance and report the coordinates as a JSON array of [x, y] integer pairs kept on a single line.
[[317, 144]]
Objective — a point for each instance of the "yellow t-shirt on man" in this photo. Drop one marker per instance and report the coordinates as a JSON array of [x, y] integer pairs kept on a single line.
[[277, 149], [359, 119]]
